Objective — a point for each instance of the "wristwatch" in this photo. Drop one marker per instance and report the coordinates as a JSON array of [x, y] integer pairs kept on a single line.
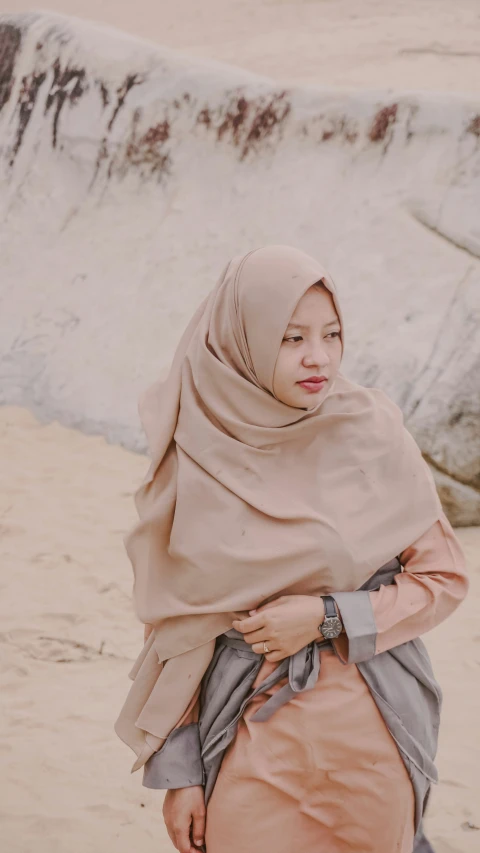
[[332, 625]]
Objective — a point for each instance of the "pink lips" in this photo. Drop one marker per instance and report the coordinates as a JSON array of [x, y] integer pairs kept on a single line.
[[313, 383]]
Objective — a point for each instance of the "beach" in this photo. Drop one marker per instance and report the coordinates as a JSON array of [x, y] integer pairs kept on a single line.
[[70, 635], [408, 45]]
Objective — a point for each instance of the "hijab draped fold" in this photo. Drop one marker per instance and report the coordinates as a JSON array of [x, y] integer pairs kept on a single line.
[[248, 498]]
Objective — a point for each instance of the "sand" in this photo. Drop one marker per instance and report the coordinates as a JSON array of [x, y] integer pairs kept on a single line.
[[404, 44], [69, 636]]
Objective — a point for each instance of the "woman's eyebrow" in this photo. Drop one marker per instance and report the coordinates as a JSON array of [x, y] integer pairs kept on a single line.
[[299, 325]]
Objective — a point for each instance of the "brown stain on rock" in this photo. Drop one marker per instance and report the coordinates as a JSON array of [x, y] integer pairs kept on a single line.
[[234, 119], [247, 123], [412, 112], [351, 136], [68, 85], [102, 155], [265, 121], [146, 151], [204, 117], [130, 81], [474, 126], [103, 93], [340, 127], [10, 43], [156, 135], [381, 123], [26, 102]]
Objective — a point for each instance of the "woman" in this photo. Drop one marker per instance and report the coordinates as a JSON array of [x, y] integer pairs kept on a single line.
[[291, 549]]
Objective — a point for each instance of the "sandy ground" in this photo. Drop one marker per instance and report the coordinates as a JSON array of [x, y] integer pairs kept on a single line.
[[69, 635], [404, 44]]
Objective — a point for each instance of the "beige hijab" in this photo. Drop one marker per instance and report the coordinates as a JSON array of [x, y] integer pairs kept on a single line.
[[248, 498]]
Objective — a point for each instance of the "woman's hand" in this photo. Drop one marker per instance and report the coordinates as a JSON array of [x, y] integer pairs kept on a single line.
[[184, 811], [286, 625]]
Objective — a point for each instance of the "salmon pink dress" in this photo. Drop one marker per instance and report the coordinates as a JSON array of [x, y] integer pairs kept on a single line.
[[323, 774]]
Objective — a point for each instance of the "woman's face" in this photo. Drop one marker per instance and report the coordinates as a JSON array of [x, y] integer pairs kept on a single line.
[[311, 348]]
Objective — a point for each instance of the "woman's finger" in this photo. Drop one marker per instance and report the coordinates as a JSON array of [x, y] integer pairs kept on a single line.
[[182, 839], [275, 657], [256, 636], [198, 831], [251, 623], [259, 649]]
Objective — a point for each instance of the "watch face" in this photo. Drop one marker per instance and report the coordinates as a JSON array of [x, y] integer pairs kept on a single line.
[[331, 628]]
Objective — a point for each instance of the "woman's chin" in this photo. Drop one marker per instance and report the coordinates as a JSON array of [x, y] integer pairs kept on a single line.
[[305, 399], [312, 397]]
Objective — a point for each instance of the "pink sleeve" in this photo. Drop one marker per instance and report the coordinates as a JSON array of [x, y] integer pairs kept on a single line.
[[430, 588]]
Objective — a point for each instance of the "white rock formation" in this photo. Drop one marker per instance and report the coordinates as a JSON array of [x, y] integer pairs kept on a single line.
[[129, 175]]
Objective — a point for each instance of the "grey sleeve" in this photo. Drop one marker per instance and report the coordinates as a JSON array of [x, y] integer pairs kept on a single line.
[[178, 764], [357, 615]]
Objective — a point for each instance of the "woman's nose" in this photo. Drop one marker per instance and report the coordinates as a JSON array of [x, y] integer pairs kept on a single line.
[[316, 356]]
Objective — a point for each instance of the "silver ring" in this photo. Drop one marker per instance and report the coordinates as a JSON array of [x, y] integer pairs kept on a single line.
[[265, 648]]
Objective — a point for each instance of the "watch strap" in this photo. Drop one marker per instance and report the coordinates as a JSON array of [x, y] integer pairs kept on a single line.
[[330, 609]]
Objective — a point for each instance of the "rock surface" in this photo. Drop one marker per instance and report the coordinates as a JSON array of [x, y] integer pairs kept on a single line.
[[129, 175]]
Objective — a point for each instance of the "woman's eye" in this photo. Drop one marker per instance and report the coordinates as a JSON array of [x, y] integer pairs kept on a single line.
[[296, 338]]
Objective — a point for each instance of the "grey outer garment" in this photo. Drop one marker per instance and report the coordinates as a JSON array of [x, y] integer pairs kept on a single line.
[[400, 680]]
